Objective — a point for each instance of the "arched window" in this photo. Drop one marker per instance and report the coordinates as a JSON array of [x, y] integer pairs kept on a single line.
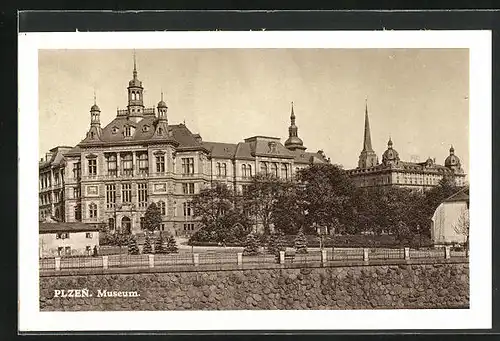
[[284, 171], [78, 212], [219, 169], [162, 206], [224, 170], [160, 131], [249, 170], [111, 224], [263, 168], [244, 171], [274, 169], [92, 210]]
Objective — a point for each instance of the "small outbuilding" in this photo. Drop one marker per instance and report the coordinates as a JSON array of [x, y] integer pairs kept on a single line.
[[58, 239], [450, 222]]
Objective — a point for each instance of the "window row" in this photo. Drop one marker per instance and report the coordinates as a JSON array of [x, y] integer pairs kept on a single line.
[[66, 235], [126, 194], [273, 168]]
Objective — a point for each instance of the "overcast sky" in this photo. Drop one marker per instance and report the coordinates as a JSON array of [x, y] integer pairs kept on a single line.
[[419, 97]]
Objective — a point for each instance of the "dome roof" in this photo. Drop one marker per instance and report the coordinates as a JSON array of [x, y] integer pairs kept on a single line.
[[162, 104], [294, 141], [135, 82], [390, 154], [452, 160], [95, 107]]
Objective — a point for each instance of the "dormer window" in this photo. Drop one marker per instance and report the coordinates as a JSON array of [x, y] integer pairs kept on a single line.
[[128, 131], [160, 131], [91, 134], [114, 130], [145, 128]]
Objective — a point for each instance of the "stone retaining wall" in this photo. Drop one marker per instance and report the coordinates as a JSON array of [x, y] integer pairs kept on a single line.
[[404, 286]]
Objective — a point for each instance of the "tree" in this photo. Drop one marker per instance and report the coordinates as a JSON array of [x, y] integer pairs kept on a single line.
[[133, 249], [261, 196], [147, 244], [220, 215], [152, 218], [462, 225], [300, 242], [276, 243], [328, 193], [251, 245], [289, 209], [159, 247], [171, 245]]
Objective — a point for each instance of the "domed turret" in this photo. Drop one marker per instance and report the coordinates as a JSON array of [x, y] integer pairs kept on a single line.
[[95, 107], [390, 156], [294, 141], [135, 95], [452, 161]]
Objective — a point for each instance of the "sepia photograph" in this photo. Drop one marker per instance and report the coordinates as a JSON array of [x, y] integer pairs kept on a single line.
[[254, 179]]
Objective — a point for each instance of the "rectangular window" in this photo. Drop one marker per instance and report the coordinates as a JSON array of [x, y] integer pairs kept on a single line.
[[88, 235], [110, 196], [67, 250], [88, 250], [62, 235], [143, 164], [92, 210], [141, 223], [60, 251], [112, 165], [189, 227], [126, 193], [162, 206], [188, 165], [160, 164], [188, 211], [77, 192], [92, 167], [78, 212], [188, 188], [162, 226], [127, 165], [142, 190], [76, 170]]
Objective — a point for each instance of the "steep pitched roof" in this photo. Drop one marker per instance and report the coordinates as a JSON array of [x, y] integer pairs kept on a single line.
[[221, 150], [462, 195]]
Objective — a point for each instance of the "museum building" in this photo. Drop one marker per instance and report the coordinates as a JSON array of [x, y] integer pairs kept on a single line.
[[117, 170]]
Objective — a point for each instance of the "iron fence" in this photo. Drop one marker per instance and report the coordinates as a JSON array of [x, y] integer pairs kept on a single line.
[[344, 254], [309, 257], [81, 262], [128, 261], [386, 254], [456, 253], [47, 263], [218, 258], [430, 253], [173, 259]]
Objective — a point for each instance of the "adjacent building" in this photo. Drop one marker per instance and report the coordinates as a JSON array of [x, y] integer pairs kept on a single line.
[[139, 157], [58, 239], [393, 171], [450, 222]]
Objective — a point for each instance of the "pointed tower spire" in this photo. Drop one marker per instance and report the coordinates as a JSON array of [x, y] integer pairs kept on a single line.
[[135, 95], [294, 142], [135, 67], [367, 158], [367, 140]]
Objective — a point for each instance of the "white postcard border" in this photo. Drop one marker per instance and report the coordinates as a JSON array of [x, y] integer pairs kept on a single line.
[[478, 316]]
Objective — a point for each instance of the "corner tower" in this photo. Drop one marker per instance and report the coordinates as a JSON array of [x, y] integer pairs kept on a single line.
[[367, 158]]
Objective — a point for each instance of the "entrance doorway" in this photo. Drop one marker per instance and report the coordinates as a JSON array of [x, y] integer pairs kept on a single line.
[[126, 225]]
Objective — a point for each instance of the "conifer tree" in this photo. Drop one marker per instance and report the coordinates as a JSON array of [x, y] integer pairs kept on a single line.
[[171, 245], [251, 245], [301, 242], [276, 243], [147, 244], [159, 247], [133, 249]]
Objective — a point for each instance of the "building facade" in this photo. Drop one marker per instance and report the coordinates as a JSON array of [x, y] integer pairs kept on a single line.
[[67, 239], [450, 222], [394, 172], [113, 174]]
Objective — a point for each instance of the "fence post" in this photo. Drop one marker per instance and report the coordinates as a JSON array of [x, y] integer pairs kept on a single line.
[[196, 259], [104, 262], [365, 254], [447, 252], [151, 258], [323, 257], [58, 263], [282, 257], [407, 253], [240, 258]]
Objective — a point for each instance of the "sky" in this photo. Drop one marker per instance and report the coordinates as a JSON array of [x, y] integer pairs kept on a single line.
[[418, 97]]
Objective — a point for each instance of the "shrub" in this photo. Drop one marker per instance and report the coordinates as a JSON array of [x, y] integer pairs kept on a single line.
[[251, 245], [147, 244], [276, 243], [133, 249], [171, 245], [300, 242], [159, 247]]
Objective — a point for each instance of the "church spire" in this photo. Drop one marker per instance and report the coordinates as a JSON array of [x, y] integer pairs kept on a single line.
[[135, 94], [367, 140], [134, 73], [367, 158]]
